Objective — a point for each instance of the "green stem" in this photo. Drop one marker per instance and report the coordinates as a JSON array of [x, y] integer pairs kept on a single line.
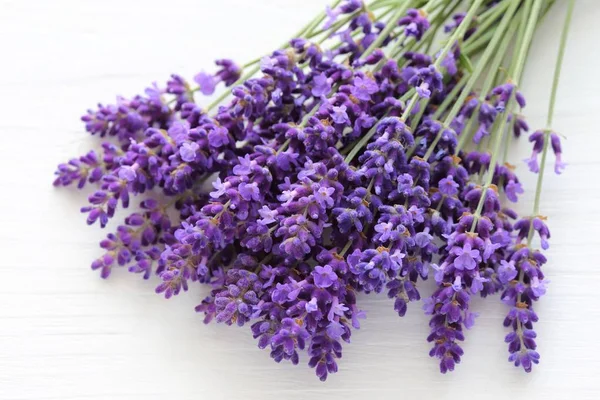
[[415, 120], [522, 55], [494, 14], [508, 139], [409, 107], [559, 60], [346, 248], [538, 189], [480, 43], [521, 31]]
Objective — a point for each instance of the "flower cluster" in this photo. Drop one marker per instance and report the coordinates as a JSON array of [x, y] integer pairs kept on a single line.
[[336, 171]]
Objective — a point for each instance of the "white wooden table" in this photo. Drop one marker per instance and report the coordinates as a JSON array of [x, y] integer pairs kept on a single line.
[[66, 334]]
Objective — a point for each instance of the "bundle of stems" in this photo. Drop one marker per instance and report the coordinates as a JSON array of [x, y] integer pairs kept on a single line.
[[366, 153]]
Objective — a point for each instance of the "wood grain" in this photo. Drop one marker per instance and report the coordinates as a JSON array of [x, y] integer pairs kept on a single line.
[[66, 334]]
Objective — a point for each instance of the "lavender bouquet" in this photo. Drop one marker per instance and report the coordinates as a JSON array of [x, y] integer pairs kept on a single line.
[[362, 156]]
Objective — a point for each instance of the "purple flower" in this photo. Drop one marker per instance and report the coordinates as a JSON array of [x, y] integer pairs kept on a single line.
[[346, 8], [503, 92], [385, 228], [339, 115], [220, 188], [428, 305], [229, 73], [506, 271], [451, 310], [88, 168], [450, 63], [267, 215], [335, 330], [416, 23], [323, 196], [405, 183], [206, 83], [188, 150], [457, 284], [321, 86], [477, 284], [448, 187], [267, 63], [423, 239], [426, 80], [331, 17], [324, 276], [525, 358], [337, 309], [559, 166], [218, 137], [532, 163], [290, 336], [542, 229], [127, 173], [311, 306], [538, 287], [249, 191], [363, 88], [512, 190], [537, 138], [469, 321], [466, 257]]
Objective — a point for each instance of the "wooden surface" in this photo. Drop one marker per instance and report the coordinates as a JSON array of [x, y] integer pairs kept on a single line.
[[66, 334]]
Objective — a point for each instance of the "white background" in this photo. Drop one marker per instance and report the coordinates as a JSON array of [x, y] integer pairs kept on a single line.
[[66, 334]]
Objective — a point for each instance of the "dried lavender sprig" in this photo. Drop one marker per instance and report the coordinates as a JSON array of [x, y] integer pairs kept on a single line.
[[522, 346], [452, 273]]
